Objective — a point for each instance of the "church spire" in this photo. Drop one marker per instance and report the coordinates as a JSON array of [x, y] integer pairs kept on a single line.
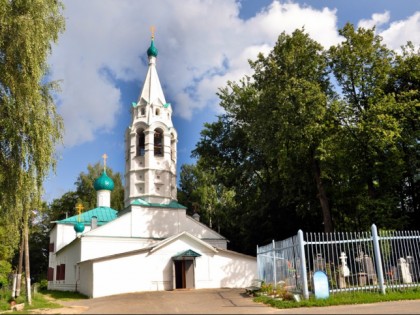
[[150, 169], [152, 93]]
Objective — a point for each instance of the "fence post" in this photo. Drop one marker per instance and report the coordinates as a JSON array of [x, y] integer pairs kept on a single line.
[[378, 259], [259, 264], [274, 264], [303, 273]]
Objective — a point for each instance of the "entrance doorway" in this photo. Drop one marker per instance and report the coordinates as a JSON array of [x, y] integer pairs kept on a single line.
[[183, 269], [184, 274]]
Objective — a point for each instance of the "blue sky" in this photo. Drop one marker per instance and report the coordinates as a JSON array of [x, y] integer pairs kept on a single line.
[[101, 62]]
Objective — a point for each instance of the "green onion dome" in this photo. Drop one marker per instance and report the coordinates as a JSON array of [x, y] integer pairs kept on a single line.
[[152, 51], [79, 227], [104, 182]]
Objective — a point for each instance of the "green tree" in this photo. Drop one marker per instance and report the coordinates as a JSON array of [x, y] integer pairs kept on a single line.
[[372, 129], [299, 152], [29, 125], [268, 146], [404, 83], [63, 207], [203, 194]]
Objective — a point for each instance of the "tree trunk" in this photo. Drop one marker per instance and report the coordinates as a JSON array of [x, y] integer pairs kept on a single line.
[[322, 196], [27, 269], [20, 265]]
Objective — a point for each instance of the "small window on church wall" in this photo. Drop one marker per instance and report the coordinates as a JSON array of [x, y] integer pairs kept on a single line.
[[61, 272], [51, 248], [157, 112], [143, 111], [158, 142], [141, 142], [50, 274], [58, 273]]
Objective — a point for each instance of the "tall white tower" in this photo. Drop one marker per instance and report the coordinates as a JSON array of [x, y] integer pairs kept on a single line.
[[150, 143]]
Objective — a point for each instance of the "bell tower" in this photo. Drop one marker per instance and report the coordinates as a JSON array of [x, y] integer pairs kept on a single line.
[[150, 143]]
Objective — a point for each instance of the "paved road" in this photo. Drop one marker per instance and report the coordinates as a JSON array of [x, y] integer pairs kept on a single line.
[[219, 301]]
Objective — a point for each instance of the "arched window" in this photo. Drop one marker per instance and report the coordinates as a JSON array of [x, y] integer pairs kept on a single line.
[[158, 142], [157, 112], [141, 141], [142, 111]]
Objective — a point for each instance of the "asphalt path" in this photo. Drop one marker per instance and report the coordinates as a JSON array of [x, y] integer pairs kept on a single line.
[[219, 301]]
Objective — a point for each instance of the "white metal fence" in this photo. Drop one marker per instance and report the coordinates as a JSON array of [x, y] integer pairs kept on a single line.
[[352, 261]]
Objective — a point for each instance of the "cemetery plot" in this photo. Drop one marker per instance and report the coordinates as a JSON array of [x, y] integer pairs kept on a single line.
[[350, 261]]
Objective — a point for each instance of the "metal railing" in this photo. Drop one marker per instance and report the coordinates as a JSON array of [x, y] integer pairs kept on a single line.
[[362, 261]]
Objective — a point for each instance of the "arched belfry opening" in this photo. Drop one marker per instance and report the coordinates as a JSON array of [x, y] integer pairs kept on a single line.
[[158, 142], [141, 142]]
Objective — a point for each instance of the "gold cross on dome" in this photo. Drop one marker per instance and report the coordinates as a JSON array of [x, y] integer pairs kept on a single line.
[[79, 207], [152, 29], [104, 157]]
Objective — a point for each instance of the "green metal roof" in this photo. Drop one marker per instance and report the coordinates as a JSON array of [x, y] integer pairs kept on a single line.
[[103, 215], [173, 204]]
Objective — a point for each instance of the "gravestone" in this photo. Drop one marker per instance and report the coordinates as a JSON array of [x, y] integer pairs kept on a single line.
[[319, 263], [370, 270], [413, 267], [404, 270], [321, 287]]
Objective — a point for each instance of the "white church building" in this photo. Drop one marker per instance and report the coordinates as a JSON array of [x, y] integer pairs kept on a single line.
[[152, 244]]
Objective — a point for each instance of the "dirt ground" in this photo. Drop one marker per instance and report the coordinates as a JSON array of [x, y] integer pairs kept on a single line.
[[61, 310]]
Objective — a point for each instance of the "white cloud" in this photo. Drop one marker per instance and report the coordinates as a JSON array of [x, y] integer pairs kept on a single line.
[[400, 32], [201, 44], [377, 20]]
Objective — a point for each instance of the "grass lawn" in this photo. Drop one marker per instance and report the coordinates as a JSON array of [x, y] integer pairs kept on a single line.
[[44, 299], [344, 298]]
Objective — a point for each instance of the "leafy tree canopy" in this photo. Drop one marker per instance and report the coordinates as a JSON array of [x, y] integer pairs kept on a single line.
[[29, 124], [295, 151]]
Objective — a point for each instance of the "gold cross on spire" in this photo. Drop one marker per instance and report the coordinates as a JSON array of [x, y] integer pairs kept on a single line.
[[104, 157], [152, 29]]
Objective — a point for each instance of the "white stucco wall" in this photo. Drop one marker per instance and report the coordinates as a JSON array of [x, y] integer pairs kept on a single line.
[[85, 281], [70, 256], [121, 226], [96, 246], [225, 269], [146, 271]]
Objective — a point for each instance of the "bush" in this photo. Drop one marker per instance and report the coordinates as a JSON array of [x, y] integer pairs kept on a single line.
[[43, 285]]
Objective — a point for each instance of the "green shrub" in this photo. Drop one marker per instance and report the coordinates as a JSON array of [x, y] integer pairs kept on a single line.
[[43, 285]]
